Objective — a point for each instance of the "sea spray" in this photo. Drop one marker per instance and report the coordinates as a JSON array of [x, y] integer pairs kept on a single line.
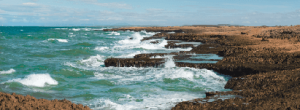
[[169, 61]]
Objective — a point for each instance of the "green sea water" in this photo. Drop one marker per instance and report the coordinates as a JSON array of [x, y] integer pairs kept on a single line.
[[68, 62]]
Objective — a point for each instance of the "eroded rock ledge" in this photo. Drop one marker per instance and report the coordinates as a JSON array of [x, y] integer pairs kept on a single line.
[[263, 62], [20, 102]]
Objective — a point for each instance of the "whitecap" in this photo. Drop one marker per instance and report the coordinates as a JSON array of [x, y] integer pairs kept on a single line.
[[98, 29], [149, 33], [75, 29], [37, 80], [101, 48], [114, 33], [62, 40], [86, 29], [60, 28], [135, 42], [8, 71], [94, 61], [59, 40]]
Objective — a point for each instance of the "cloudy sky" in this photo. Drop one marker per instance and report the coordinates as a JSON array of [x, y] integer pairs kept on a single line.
[[148, 12]]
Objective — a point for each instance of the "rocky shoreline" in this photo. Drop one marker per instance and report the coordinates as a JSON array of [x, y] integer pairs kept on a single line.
[[263, 62], [20, 102]]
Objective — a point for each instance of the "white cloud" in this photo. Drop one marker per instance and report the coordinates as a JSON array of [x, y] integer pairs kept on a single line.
[[155, 9], [20, 20], [111, 18], [30, 4], [2, 11], [245, 18], [110, 5], [2, 19], [84, 19]]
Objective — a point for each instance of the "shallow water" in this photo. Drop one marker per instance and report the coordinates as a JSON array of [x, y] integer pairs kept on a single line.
[[201, 58], [68, 62]]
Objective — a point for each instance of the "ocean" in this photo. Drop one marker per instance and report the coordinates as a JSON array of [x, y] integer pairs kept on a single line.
[[68, 62]]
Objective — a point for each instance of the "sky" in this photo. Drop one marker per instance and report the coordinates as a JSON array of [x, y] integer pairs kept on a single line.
[[148, 12]]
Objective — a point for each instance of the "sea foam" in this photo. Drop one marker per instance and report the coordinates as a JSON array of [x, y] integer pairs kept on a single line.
[[94, 61], [59, 40], [37, 80], [75, 29], [101, 48], [114, 33], [8, 71]]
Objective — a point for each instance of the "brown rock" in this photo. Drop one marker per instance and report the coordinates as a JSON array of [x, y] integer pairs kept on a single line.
[[20, 102]]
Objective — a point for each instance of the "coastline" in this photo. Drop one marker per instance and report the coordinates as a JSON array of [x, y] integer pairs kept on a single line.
[[262, 61]]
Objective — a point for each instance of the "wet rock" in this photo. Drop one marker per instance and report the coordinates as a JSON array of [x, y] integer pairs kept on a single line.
[[154, 42], [133, 62], [244, 33], [208, 94], [173, 45]]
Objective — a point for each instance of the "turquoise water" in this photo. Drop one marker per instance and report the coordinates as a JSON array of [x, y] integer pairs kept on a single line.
[[201, 58], [68, 62]]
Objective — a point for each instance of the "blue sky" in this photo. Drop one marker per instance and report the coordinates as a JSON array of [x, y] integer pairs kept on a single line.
[[148, 12]]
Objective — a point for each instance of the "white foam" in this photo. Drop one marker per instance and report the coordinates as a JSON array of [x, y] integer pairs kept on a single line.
[[136, 39], [74, 29], [171, 32], [59, 40], [135, 42], [169, 62], [37, 80], [62, 40], [149, 33], [86, 29], [163, 101], [101, 48], [8, 71], [114, 33], [94, 61], [100, 29], [134, 75], [29, 35], [61, 28], [21, 30]]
